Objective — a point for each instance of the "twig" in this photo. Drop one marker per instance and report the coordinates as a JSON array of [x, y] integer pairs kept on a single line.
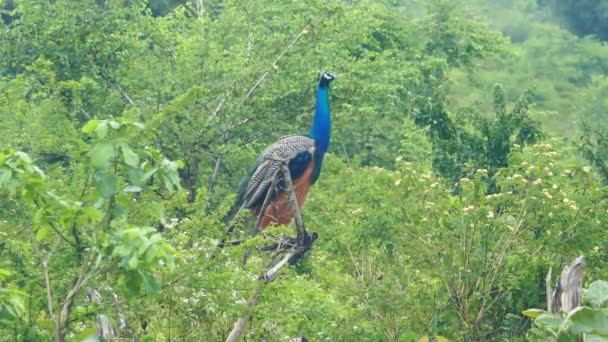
[[274, 64], [216, 170], [49, 296], [291, 258], [125, 95], [81, 280], [220, 105], [52, 225]]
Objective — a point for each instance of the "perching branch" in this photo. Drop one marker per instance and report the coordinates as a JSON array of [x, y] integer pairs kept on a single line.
[[304, 243]]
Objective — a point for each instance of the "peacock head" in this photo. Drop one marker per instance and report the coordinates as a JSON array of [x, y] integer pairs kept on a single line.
[[325, 78]]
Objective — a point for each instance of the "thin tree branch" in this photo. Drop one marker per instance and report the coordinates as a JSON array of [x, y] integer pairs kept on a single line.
[[80, 281], [213, 177], [124, 95], [273, 66], [49, 295], [52, 225]]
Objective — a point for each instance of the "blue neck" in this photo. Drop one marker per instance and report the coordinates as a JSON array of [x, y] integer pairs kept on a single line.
[[321, 126]]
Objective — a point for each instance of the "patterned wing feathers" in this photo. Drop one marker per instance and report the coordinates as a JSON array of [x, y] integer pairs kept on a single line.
[[269, 165]]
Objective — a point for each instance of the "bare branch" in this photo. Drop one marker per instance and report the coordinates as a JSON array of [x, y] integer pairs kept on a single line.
[[295, 253], [80, 281], [124, 95], [239, 326], [49, 296], [220, 105], [273, 66], [212, 178], [292, 256]]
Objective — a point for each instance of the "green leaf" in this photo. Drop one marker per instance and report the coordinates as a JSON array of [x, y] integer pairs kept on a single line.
[[131, 188], [92, 213], [129, 157], [101, 154], [90, 126], [114, 124], [595, 338], [102, 129], [597, 294], [549, 322], [24, 157], [131, 281], [587, 320], [87, 334], [534, 313], [148, 174], [133, 262], [42, 233], [5, 176], [139, 125], [45, 324], [107, 184], [151, 285]]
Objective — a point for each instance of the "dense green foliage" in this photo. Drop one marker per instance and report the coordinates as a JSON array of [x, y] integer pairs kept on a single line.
[[460, 169]]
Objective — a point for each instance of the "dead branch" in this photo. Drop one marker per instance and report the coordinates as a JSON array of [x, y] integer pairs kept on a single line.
[[303, 244], [292, 256], [567, 293], [239, 326], [213, 177]]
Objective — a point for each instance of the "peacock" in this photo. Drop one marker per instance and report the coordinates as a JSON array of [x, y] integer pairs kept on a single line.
[[304, 156]]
